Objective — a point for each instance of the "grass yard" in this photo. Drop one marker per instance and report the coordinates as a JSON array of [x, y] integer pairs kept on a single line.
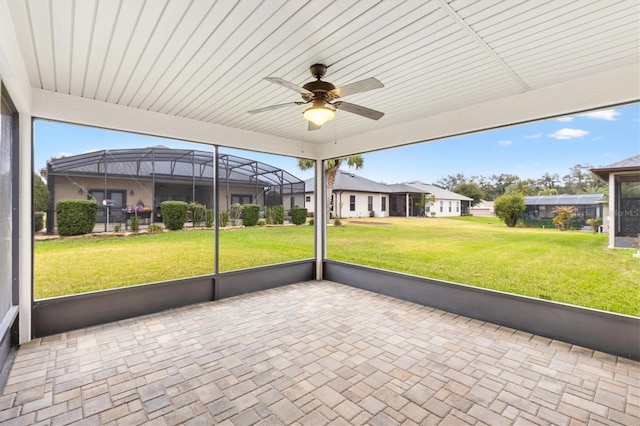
[[571, 267], [78, 265]]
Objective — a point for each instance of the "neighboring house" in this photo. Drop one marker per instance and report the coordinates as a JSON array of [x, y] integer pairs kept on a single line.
[[623, 218], [148, 176], [355, 196], [587, 206], [483, 208]]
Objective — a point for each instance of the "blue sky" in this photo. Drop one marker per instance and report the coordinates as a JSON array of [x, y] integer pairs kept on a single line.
[[527, 151]]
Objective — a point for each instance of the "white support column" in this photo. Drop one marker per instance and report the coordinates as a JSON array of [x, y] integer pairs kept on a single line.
[[320, 220], [613, 209], [25, 226], [406, 205]]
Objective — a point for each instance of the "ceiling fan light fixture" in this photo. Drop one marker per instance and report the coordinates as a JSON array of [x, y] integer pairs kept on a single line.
[[319, 114]]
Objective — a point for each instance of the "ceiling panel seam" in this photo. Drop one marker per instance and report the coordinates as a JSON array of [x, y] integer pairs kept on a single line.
[[452, 13]]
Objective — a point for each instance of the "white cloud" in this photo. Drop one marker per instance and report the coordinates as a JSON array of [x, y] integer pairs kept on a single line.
[[565, 119], [535, 136], [568, 134], [607, 114], [504, 143]]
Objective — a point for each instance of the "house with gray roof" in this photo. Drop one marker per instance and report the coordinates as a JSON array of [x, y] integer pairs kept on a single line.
[[138, 180], [623, 219], [587, 206], [355, 196]]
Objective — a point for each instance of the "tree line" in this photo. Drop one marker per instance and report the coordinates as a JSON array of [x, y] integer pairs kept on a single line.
[[579, 180]]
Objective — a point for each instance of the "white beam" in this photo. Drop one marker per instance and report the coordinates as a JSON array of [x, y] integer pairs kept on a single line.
[[613, 209], [614, 87], [25, 227], [320, 219], [73, 109], [12, 70]]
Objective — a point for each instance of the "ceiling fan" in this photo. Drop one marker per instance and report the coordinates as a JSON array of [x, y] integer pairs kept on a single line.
[[323, 96]]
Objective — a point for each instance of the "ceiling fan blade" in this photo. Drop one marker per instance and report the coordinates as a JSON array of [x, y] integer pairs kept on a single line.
[[269, 108], [288, 85], [313, 126], [358, 109], [357, 87]]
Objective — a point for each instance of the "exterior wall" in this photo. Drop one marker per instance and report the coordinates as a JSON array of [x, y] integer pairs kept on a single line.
[[361, 204], [482, 212], [456, 208], [69, 188], [74, 187], [259, 198], [342, 206]]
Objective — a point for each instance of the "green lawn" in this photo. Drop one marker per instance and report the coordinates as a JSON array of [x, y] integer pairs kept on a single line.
[[571, 267]]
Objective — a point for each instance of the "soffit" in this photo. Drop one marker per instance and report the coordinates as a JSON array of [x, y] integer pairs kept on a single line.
[[204, 61]]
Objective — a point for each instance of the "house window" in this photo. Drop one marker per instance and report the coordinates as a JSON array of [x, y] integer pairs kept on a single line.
[[449, 206], [241, 199], [370, 203], [352, 203], [384, 204], [307, 198], [441, 206], [457, 206]]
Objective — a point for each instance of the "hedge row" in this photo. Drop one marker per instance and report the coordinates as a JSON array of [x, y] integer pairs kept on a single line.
[[250, 214], [174, 214], [76, 217], [298, 215]]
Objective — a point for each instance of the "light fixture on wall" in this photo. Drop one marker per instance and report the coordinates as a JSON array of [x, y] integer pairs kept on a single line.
[[131, 192], [319, 114], [80, 191]]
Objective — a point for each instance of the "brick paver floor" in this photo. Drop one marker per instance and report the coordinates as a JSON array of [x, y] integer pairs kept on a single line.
[[312, 354]]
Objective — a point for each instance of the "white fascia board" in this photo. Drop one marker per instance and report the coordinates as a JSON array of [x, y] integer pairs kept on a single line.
[[72, 109], [12, 70], [612, 88]]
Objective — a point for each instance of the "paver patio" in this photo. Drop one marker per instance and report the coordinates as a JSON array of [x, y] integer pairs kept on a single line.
[[314, 353]]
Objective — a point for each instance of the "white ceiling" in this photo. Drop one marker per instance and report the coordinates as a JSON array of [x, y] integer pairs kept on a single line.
[[193, 69]]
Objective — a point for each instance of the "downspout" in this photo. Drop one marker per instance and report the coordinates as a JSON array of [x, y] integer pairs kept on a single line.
[[216, 224], [320, 223], [52, 205]]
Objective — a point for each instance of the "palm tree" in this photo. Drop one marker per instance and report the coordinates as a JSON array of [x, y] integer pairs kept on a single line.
[[563, 215], [331, 168]]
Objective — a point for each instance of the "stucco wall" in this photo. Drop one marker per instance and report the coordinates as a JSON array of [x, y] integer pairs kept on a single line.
[[361, 207]]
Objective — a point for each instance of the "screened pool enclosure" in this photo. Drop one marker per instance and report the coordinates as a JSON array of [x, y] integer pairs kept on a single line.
[[139, 180]]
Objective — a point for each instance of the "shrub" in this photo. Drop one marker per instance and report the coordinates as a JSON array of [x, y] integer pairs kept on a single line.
[[509, 208], [208, 221], [117, 227], [224, 217], [174, 214], [41, 198], [563, 215], [76, 217], [235, 213], [38, 221], [262, 222], [274, 215], [594, 223], [250, 214], [337, 222], [135, 223], [311, 221], [154, 228], [197, 213], [538, 223], [298, 215]]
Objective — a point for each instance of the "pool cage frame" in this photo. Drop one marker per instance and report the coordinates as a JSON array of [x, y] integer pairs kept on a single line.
[[188, 172]]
